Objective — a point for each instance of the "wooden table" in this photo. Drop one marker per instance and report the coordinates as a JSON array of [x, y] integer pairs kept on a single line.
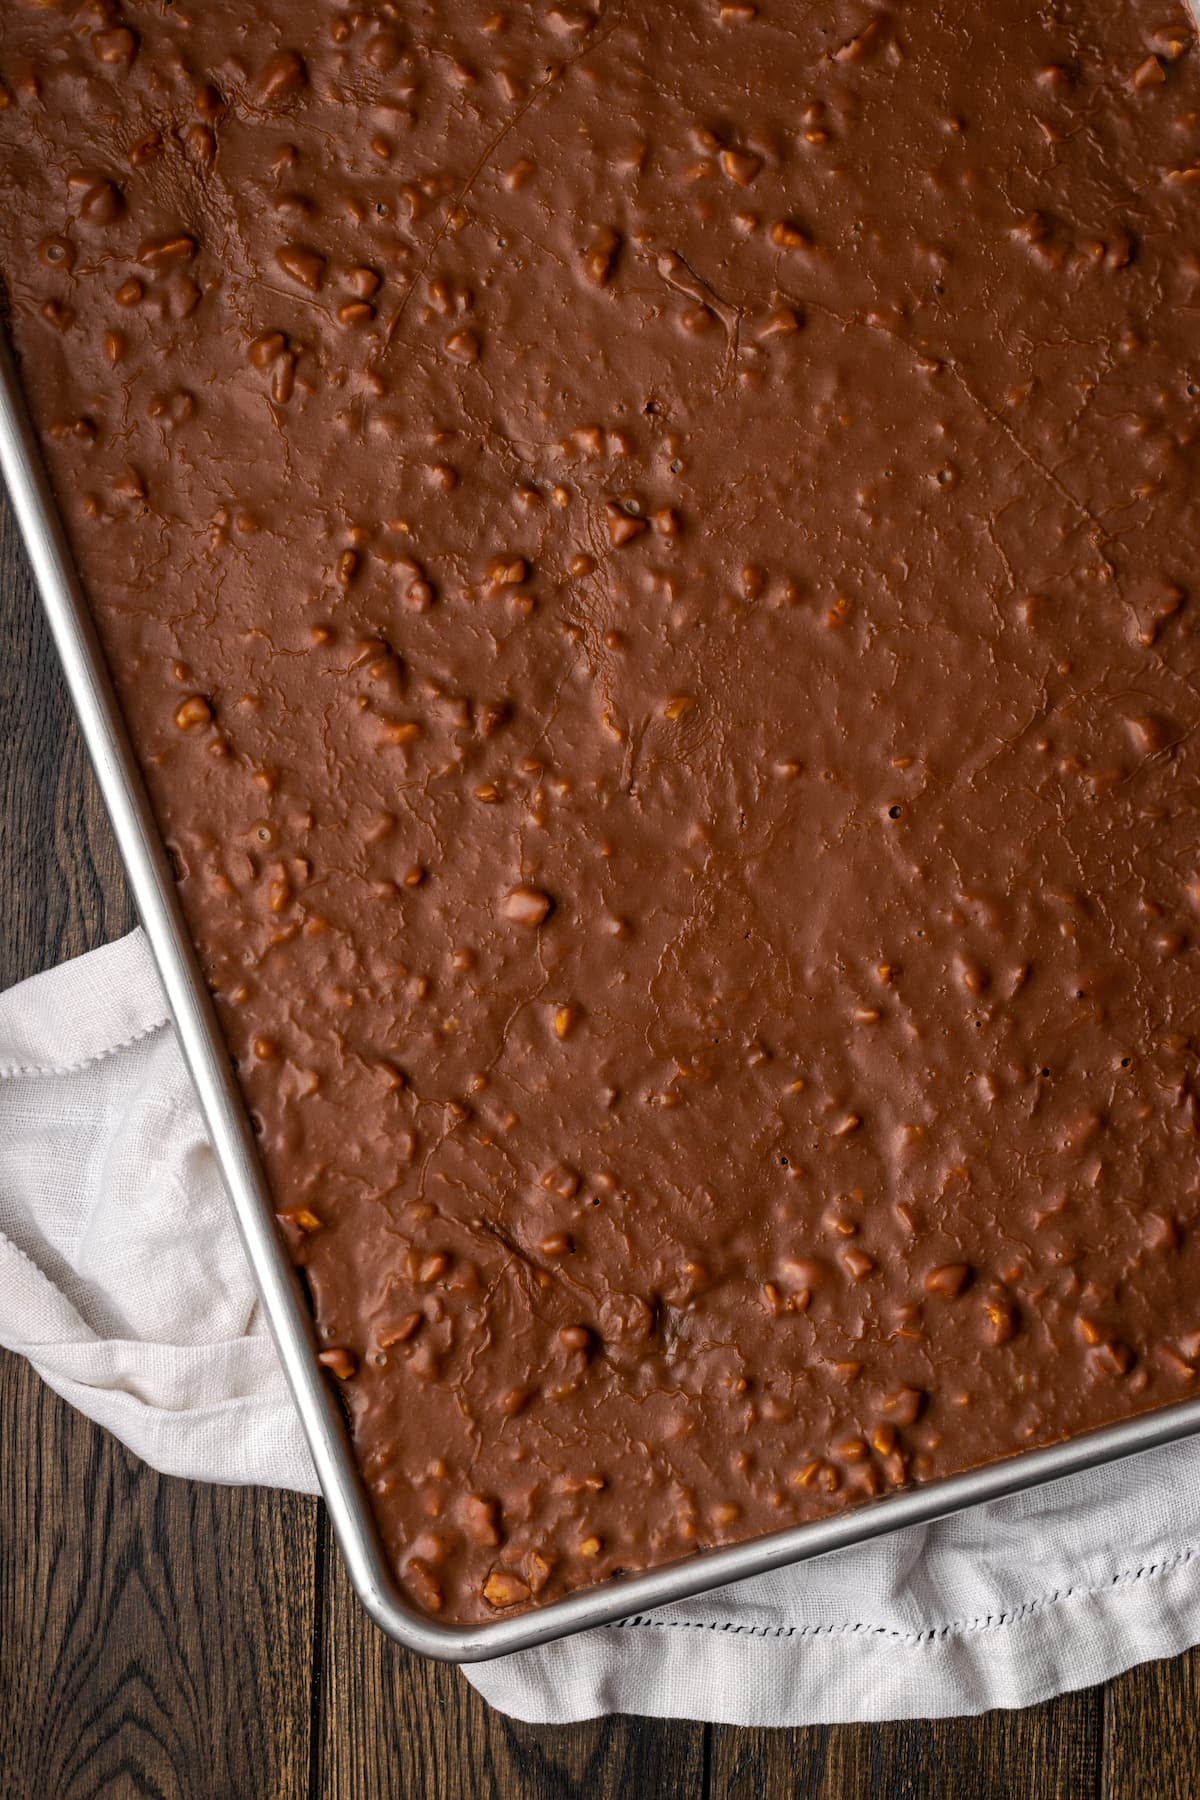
[[161, 1638]]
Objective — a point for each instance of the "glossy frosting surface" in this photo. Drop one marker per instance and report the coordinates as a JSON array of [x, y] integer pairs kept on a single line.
[[650, 556]]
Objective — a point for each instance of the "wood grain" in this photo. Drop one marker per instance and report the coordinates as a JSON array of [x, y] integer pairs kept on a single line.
[[60, 876], [995, 1757], [167, 1639], [1151, 1745], [155, 1635]]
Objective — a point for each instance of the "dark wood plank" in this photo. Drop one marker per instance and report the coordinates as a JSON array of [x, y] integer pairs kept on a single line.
[[394, 1725], [1049, 1752], [155, 1635], [1152, 1732], [61, 887]]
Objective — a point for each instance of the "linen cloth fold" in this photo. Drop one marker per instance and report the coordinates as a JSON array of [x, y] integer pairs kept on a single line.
[[122, 1279]]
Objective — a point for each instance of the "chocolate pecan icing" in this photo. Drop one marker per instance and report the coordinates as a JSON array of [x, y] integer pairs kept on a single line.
[[649, 553]]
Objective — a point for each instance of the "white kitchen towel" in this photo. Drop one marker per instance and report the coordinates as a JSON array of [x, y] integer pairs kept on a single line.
[[122, 1280]]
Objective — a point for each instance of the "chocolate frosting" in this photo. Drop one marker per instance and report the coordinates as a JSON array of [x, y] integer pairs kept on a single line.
[[648, 552]]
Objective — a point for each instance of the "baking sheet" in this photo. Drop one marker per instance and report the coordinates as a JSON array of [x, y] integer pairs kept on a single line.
[[283, 1302]]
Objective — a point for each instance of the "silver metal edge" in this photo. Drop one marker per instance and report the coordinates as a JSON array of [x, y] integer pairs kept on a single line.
[[284, 1305]]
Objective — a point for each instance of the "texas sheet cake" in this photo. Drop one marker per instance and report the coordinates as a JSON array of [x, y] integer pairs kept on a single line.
[[648, 552]]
